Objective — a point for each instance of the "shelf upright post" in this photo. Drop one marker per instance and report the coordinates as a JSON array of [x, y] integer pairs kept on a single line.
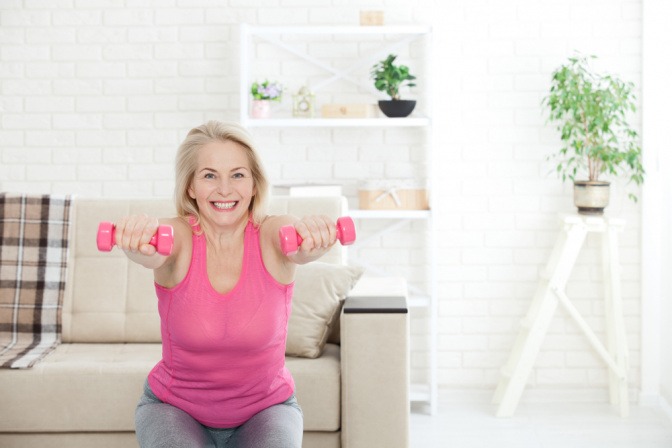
[[434, 325], [244, 72], [434, 290]]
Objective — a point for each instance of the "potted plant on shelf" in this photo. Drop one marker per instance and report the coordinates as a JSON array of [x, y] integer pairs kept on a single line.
[[389, 78], [262, 95], [591, 110]]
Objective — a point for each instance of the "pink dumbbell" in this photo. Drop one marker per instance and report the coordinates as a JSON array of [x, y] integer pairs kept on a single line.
[[162, 239], [290, 240]]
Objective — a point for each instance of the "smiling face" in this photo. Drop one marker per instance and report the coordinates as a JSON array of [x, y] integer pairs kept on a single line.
[[222, 185]]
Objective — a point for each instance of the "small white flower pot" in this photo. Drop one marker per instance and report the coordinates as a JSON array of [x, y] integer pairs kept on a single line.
[[261, 108]]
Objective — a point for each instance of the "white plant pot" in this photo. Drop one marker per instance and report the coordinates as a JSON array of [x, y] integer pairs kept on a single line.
[[591, 197], [261, 109]]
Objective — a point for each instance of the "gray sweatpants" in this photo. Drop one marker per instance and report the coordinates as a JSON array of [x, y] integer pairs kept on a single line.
[[162, 425]]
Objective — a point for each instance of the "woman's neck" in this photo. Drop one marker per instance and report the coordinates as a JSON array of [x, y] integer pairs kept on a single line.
[[225, 238]]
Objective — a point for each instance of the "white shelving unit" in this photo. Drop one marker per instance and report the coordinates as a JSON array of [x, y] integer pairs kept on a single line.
[[273, 35], [398, 37]]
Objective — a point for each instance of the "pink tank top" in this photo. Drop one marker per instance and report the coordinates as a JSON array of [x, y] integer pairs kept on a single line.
[[224, 354]]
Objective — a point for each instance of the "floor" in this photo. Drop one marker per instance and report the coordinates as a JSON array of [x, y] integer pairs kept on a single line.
[[541, 425]]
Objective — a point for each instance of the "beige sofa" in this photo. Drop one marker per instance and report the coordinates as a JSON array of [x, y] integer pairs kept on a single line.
[[84, 393]]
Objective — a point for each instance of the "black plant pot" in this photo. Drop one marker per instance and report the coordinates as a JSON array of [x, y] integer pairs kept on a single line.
[[397, 108]]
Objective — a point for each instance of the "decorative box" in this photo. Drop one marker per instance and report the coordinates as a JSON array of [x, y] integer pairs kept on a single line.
[[350, 110], [304, 103], [393, 195], [371, 18]]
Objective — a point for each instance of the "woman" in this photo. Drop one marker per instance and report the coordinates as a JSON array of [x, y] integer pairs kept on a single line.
[[224, 300]]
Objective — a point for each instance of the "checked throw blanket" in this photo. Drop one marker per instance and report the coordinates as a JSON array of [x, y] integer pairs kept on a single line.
[[33, 258]]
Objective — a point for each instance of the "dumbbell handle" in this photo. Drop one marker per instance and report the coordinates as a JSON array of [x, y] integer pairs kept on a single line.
[[290, 240], [162, 239]]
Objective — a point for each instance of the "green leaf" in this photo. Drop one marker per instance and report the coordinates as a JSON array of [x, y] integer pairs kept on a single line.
[[390, 78]]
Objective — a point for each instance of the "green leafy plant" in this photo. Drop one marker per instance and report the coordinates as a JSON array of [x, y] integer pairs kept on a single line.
[[266, 91], [591, 111], [389, 78]]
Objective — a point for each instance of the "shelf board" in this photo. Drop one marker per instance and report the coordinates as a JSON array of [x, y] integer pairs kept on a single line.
[[375, 30], [420, 392], [335, 122], [389, 214], [419, 302]]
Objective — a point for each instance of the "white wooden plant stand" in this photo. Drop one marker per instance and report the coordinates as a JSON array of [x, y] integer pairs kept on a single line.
[[550, 292]]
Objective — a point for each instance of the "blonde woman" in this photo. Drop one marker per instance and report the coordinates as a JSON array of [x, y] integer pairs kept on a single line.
[[224, 298]]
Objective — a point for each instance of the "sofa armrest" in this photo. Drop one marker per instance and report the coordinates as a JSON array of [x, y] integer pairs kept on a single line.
[[375, 372]]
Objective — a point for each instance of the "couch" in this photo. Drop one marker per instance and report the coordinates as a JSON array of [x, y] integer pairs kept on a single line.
[[83, 394]]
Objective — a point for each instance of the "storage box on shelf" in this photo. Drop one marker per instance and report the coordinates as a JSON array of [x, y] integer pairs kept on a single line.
[[393, 195], [349, 111]]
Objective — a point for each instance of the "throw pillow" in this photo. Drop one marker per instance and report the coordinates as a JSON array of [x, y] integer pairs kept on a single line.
[[319, 291]]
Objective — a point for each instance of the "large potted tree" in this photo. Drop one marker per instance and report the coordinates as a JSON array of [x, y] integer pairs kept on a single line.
[[591, 112], [390, 78]]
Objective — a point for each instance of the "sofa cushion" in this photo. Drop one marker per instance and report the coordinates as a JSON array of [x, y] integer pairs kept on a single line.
[[318, 388], [78, 387], [319, 292], [95, 387]]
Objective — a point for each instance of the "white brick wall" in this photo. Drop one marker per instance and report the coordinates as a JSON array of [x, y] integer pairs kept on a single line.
[[96, 96], [499, 197]]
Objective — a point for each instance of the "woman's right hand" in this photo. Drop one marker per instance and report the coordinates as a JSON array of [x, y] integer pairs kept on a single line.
[[133, 233]]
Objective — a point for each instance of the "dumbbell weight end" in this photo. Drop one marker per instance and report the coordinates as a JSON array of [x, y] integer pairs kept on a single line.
[[162, 239], [290, 240]]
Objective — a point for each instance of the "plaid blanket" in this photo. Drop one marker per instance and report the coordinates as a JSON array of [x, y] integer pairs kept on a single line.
[[33, 259]]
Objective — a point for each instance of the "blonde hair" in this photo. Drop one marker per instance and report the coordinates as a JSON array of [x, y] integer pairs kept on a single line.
[[186, 163]]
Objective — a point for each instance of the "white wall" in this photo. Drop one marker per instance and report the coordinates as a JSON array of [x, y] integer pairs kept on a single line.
[[96, 96], [666, 287], [656, 216]]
